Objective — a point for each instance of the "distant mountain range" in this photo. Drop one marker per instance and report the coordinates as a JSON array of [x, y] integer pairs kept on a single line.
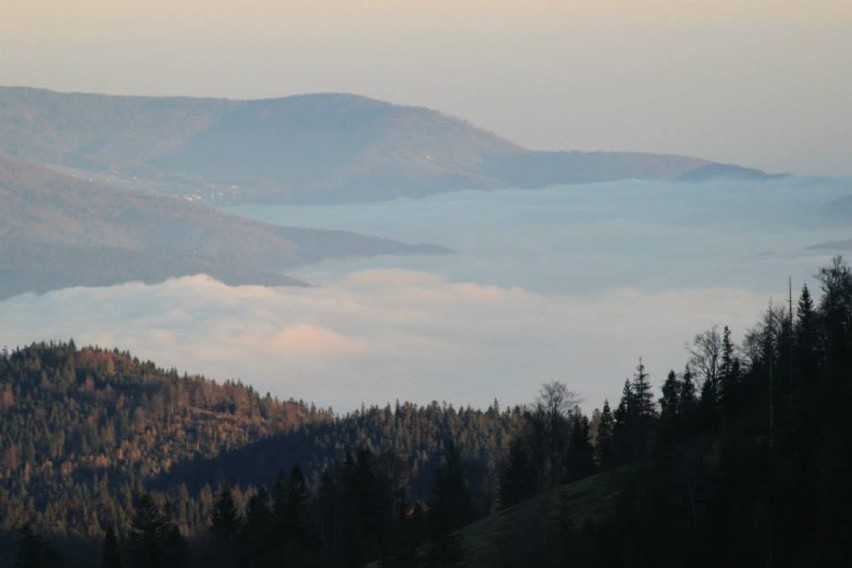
[[57, 230], [100, 190], [308, 148]]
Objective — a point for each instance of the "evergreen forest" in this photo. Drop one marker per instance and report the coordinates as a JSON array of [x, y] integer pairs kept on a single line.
[[742, 458]]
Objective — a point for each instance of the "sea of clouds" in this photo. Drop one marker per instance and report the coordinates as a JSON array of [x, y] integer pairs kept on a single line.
[[568, 283], [379, 335]]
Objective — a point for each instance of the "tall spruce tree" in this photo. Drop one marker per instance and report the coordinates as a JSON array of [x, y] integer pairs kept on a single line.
[[299, 523], [643, 394], [729, 376], [33, 552], [110, 552], [808, 340], [256, 534], [225, 523], [688, 399], [670, 401], [225, 519], [154, 540], [646, 410], [635, 417], [581, 454], [517, 480], [604, 438], [450, 509]]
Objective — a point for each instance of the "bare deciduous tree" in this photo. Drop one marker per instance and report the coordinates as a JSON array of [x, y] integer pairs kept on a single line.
[[556, 400], [705, 354]]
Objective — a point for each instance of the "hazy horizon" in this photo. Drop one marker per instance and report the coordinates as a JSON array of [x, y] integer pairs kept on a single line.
[[571, 283], [761, 86], [754, 84]]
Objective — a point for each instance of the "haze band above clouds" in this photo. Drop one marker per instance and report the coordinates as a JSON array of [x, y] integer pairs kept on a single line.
[[378, 335], [762, 84]]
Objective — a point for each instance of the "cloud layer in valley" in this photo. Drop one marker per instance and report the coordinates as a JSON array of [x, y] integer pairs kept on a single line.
[[378, 335]]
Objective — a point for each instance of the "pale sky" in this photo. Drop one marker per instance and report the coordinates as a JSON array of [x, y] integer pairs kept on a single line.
[[763, 83]]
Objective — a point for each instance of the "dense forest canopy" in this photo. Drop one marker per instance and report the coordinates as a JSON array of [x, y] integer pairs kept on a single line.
[[742, 458]]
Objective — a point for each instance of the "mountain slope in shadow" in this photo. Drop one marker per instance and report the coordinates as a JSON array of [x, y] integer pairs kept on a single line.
[[58, 230]]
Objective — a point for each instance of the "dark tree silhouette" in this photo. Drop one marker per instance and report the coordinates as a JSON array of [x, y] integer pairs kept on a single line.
[[225, 520], [111, 552], [154, 540], [33, 552], [450, 509]]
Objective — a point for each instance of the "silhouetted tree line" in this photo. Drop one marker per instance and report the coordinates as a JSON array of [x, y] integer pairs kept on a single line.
[[417, 435], [552, 447], [359, 512], [742, 460], [746, 460]]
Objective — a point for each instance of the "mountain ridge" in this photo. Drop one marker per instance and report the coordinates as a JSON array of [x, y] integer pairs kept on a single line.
[[59, 230], [320, 147]]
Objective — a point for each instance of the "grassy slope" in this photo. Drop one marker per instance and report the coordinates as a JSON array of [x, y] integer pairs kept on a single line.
[[515, 536]]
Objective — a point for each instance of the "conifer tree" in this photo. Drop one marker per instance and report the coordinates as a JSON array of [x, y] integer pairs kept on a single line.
[[670, 401], [624, 426], [154, 540], [34, 552], [225, 519], [808, 344], [635, 417], [581, 456], [626, 408], [729, 375], [646, 411], [517, 479], [299, 528], [111, 553], [643, 394], [450, 510], [280, 521], [688, 399], [256, 534], [603, 439]]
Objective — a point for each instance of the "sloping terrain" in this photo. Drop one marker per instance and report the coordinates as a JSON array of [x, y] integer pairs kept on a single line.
[[58, 230], [84, 432], [526, 534], [307, 148], [70, 415], [839, 210]]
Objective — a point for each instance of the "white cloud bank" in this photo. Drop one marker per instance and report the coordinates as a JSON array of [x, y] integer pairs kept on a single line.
[[379, 335]]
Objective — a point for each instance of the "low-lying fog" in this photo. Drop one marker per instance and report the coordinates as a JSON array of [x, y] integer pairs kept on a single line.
[[568, 283]]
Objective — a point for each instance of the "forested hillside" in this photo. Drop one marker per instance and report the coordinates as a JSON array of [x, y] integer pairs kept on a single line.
[[86, 433], [60, 230], [329, 147], [82, 429], [741, 459]]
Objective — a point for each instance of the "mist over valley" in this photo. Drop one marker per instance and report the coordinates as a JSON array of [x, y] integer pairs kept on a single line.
[[573, 283], [425, 284]]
